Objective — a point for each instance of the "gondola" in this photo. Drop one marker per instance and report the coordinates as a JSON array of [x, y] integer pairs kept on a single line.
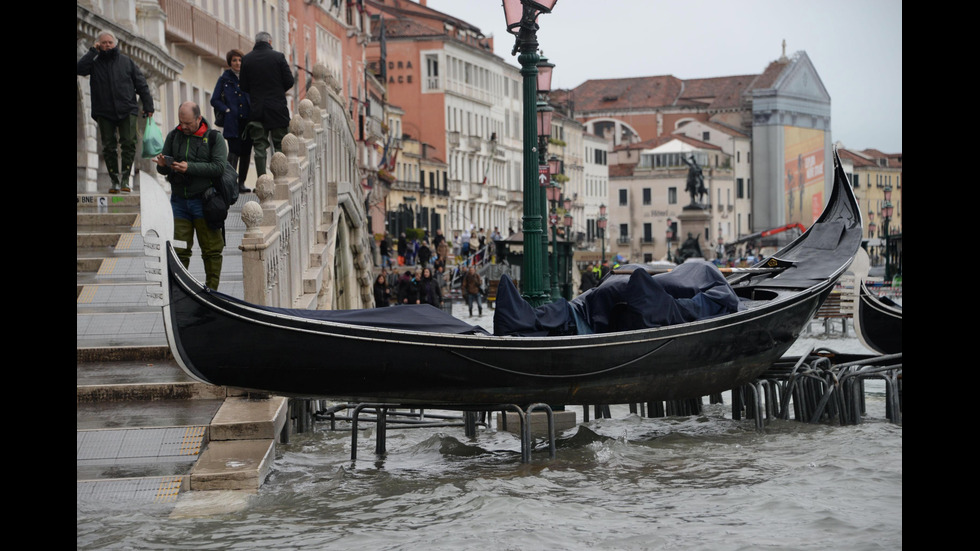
[[421, 355], [879, 322]]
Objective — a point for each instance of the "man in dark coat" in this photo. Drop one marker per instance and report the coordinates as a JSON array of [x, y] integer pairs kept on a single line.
[[425, 253], [265, 77], [588, 279], [408, 288], [115, 80]]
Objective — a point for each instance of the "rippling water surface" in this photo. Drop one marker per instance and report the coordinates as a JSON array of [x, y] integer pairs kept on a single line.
[[704, 482], [699, 482]]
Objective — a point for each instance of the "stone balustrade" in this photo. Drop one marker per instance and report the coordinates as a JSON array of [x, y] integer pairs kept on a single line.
[[307, 244]]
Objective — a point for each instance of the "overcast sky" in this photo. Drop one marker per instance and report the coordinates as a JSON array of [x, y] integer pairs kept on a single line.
[[855, 46]]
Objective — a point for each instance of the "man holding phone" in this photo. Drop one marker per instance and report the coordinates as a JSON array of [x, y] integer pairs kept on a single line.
[[115, 80], [193, 157]]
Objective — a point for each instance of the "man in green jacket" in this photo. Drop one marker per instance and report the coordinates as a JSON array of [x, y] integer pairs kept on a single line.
[[192, 158]]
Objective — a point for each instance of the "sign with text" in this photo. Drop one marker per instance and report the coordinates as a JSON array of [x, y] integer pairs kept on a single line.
[[544, 175]]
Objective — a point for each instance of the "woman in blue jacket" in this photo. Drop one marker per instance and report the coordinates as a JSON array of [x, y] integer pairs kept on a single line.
[[228, 98]]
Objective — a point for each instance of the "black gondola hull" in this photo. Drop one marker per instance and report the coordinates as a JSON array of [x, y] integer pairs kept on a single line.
[[879, 324], [225, 341], [319, 359]]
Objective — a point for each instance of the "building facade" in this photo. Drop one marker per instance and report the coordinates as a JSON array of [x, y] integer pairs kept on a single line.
[[460, 100], [772, 127], [872, 173]]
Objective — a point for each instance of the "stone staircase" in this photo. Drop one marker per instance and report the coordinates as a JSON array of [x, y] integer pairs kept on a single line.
[[145, 430]]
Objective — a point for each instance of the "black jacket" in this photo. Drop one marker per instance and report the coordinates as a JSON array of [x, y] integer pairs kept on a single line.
[[382, 295], [114, 80], [265, 76], [430, 292], [408, 290]]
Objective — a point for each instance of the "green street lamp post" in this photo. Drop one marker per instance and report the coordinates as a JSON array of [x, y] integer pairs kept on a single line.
[[554, 195], [601, 224], [544, 113], [521, 16], [567, 271], [886, 214]]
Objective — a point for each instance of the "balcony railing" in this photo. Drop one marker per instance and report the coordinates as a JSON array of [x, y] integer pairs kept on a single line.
[[372, 128], [405, 185], [194, 28], [623, 240]]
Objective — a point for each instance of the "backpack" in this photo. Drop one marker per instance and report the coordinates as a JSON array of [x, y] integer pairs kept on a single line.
[[223, 193]]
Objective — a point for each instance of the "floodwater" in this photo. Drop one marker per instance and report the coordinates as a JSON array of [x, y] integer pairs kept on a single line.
[[622, 483]]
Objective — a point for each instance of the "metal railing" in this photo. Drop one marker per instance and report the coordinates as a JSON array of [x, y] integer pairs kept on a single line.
[[481, 260]]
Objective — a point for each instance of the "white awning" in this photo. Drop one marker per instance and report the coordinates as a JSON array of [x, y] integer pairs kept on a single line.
[[673, 146]]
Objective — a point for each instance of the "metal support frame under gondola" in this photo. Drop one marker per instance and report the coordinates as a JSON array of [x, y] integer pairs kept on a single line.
[[468, 422], [821, 390]]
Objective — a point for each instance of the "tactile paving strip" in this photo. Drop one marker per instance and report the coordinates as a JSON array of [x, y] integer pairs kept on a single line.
[[106, 446], [124, 446], [162, 489]]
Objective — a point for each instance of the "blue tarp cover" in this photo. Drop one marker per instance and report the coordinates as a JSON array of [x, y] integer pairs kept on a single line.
[[621, 302], [412, 317]]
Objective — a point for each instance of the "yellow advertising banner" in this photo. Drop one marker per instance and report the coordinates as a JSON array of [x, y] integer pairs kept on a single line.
[[804, 169]]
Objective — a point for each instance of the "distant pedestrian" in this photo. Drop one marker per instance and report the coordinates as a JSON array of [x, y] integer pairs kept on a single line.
[[439, 244], [114, 80], [382, 294], [472, 287], [412, 252], [425, 254], [588, 280], [402, 248], [385, 253], [464, 243], [497, 242], [474, 243], [430, 289], [408, 288], [265, 76]]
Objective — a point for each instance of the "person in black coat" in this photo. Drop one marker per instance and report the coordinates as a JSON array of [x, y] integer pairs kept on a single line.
[[403, 247], [385, 253], [265, 77], [115, 80], [229, 98], [588, 280], [408, 288], [430, 289], [425, 254], [382, 294]]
